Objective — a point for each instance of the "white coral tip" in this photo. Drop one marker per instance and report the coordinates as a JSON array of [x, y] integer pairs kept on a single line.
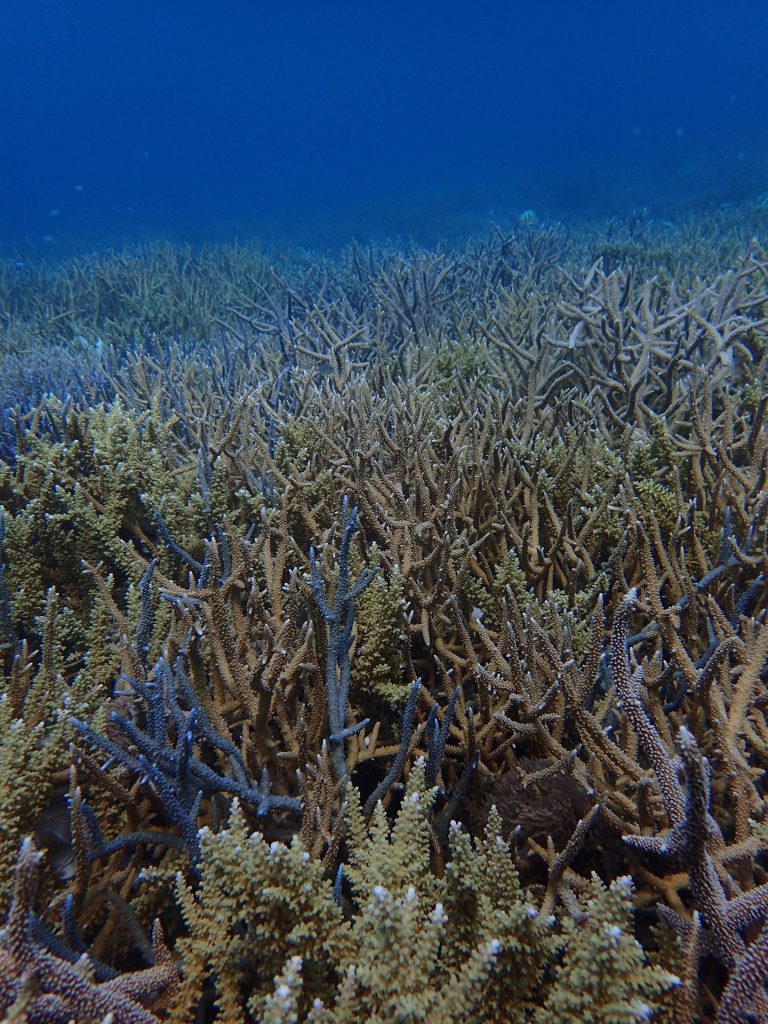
[[438, 915], [614, 933]]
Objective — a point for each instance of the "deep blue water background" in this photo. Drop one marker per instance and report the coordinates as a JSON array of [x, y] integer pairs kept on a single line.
[[314, 122]]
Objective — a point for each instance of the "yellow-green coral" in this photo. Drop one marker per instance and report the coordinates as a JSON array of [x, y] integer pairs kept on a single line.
[[415, 947], [604, 975], [257, 903], [379, 625], [35, 705], [82, 498], [509, 573]]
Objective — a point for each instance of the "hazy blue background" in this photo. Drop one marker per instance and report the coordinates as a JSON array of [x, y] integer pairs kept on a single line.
[[315, 121]]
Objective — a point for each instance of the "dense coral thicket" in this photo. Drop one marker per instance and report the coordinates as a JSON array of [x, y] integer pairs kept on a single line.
[[396, 648]]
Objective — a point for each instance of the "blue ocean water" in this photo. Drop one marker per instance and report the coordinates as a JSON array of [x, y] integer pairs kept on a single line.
[[319, 121]]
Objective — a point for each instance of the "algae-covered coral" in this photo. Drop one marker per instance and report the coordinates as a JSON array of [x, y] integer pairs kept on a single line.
[[385, 638]]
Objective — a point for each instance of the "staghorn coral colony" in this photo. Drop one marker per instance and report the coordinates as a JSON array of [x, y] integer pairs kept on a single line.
[[384, 638]]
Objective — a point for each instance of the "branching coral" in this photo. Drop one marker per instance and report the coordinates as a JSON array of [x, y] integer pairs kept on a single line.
[[41, 988], [413, 946], [548, 581]]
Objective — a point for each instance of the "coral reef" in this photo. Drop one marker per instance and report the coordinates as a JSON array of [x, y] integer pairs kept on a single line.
[[385, 638]]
